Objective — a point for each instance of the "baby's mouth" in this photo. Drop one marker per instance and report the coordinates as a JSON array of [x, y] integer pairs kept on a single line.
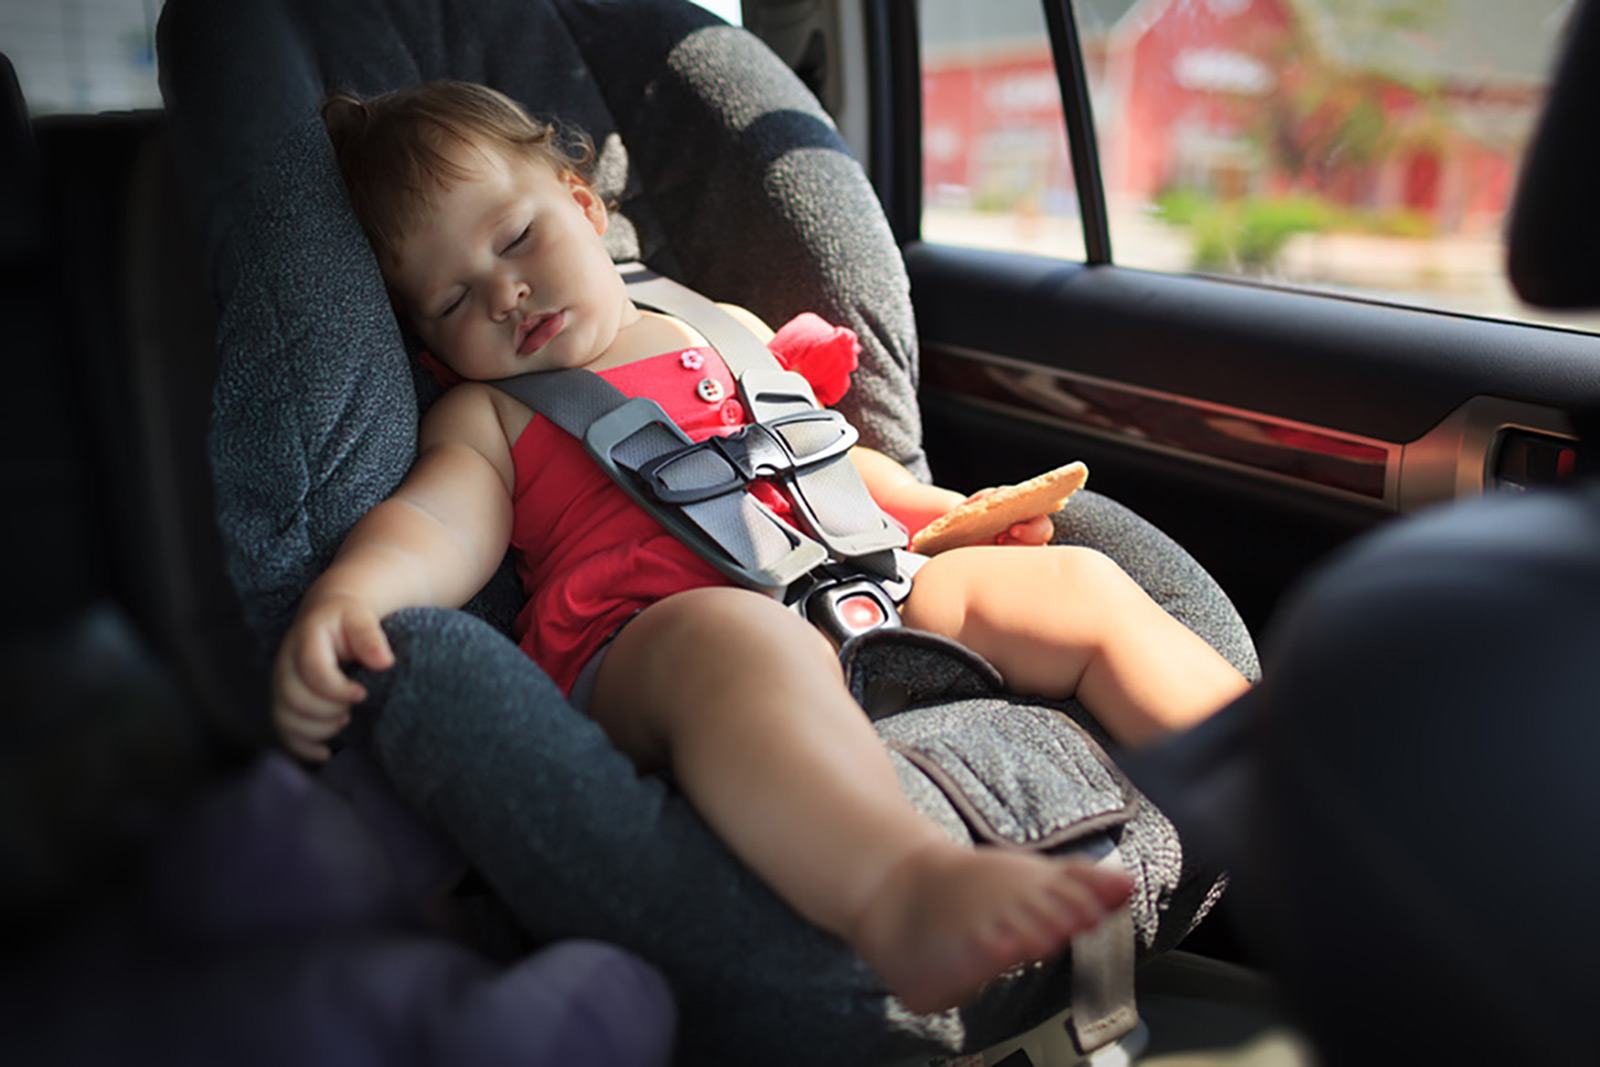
[[538, 331]]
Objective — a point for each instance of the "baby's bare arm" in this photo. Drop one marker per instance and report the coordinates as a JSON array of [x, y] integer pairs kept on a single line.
[[897, 490], [915, 503], [436, 541]]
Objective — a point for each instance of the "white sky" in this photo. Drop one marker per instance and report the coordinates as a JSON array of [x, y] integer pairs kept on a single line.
[[727, 9]]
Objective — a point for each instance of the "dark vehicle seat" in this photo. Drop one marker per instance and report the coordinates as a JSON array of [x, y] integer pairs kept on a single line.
[[129, 675], [169, 892], [315, 412]]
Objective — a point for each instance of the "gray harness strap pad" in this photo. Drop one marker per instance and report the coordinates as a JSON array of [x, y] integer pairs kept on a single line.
[[733, 531], [831, 502]]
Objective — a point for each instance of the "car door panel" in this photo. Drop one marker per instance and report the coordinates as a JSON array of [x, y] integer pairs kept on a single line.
[[1261, 427]]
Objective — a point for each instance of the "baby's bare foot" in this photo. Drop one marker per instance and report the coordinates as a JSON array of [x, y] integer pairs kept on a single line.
[[948, 920]]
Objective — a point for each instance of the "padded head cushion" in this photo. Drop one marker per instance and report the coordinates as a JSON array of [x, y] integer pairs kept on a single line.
[[727, 174], [1555, 221]]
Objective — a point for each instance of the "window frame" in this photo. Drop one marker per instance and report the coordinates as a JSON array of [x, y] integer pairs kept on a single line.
[[895, 165], [1066, 52]]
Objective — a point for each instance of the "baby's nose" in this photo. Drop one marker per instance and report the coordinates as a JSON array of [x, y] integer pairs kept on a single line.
[[512, 292]]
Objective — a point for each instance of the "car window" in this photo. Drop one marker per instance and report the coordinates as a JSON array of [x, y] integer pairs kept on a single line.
[[83, 55], [729, 10], [1364, 147], [995, 167]]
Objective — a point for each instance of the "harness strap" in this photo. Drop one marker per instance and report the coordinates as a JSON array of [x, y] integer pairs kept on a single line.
[[697, 490], [1104, 1005], [733, 531], [831, 502], [740, 349]]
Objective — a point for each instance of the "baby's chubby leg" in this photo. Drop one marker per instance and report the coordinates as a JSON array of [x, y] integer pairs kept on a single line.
[[747, 704], [1065, 621]]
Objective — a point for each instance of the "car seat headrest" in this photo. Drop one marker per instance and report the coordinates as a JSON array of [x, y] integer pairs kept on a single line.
[[1555, 217]]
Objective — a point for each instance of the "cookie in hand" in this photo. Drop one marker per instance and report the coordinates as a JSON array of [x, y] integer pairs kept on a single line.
[[980, 520]]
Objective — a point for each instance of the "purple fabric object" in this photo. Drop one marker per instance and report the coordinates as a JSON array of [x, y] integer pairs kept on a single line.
[[270, 929], [426, 864], [269, 852]]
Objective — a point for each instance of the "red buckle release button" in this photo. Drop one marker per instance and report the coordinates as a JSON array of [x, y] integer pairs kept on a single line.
[[860, 612]]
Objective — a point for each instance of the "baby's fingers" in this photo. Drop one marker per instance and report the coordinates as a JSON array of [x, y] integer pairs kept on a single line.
[[302, 709], [307, 749], [317, 668], [367, 644], [1035, 531], [305, 721]]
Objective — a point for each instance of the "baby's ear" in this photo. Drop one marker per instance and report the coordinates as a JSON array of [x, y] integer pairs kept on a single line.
[[593, 207]]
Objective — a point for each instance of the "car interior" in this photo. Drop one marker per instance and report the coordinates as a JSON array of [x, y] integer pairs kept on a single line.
[[1259, 423]]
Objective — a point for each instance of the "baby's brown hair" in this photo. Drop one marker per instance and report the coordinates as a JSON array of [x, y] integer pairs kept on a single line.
[[392, 148]]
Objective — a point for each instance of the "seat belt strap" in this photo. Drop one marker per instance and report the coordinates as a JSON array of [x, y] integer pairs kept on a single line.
[[1104, 1007], [733, 531], [740, 349], [831, 502], [697, 490]]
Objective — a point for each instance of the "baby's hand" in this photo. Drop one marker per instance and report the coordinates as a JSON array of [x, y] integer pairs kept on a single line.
[[1007, 515], [311, 694], [1035, 531]]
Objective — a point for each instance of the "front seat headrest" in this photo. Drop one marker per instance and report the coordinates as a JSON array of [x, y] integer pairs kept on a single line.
[[1555, 217]]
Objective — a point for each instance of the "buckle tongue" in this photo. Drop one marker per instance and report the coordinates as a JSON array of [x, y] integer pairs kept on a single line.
[[727, 463]]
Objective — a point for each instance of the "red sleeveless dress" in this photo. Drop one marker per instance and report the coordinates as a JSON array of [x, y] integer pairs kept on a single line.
[[588, 557]]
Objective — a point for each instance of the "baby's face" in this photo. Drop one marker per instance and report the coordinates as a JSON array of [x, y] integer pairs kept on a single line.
[[510, 274]]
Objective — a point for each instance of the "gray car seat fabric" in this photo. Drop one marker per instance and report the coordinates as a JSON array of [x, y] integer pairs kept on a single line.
[[599, 852], [727, 176]]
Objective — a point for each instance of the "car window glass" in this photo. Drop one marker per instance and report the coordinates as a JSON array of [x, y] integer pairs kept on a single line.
[[728, 10], [1364, 147], [83, 55], [995, 168]]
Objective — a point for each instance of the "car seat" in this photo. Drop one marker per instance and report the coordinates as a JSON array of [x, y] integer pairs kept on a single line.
[[728, 176]]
